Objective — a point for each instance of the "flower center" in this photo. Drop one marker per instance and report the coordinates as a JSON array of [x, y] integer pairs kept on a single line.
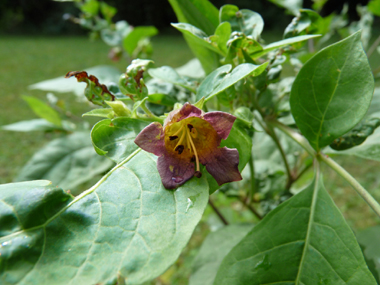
[[186, 133]]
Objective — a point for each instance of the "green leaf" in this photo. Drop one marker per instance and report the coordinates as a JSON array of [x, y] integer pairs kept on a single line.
[[246, 21], [291, 5], [220, 79], [357, 135], [43, 110], [199, 13], [370, 149], [283, 43], [240, 140], [100, 112], [332, 92], [368, 240], [162, 99], [115, 138], [168, 74], [90, 7], [104, 73], [192, 68], [203, 15], [222, 35], [126, 226], [197, 36], [131, 41], [68, 161], [214, 248], [374, 7], [307, 21], [31, 125], [107, 11], [305, 240]]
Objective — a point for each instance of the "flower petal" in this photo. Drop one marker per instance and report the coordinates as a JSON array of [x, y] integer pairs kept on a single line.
[[174, 171], [151, 139], [186, 111], [221, 122], [222, 164]]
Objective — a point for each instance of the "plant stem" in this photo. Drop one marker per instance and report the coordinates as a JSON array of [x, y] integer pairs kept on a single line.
[[373, 47], [295, 136], [306, 168], [283, 155], [223, 219], [252, 173], [150, 114], [353, 182], [249, 206]]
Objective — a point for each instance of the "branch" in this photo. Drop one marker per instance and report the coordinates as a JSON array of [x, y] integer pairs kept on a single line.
[[223, 219], [353, 182]]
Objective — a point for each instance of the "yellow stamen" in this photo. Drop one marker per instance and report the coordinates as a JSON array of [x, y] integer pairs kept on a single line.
[[195, 151], [188, 142], [181, 139], [194, 133], [177, 132]]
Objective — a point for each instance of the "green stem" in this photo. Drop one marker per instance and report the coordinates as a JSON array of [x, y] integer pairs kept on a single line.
[[283, 155], [306, 168], [353, 182], [252, 173], [373, 47], [219, 214], [270, 131], [150, 114], [295, 136]]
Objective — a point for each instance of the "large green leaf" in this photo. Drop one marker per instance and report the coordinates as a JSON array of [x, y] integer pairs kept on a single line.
[[220, 79], [68, 161], [305, 240], [332, 92], [215, 247], [127, 225], [115, 138], [203, 15]]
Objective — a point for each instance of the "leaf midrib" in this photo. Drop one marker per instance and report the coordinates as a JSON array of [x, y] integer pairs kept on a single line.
[[311, 220], [332, 96], [76, 199]]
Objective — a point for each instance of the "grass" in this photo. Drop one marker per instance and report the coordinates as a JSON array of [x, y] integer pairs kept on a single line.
[[27, 60]]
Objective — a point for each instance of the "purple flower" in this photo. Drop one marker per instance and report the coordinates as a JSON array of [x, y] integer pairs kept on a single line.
[[190, 137]]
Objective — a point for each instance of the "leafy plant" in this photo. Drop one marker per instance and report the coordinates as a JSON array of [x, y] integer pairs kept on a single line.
[[233, 99]]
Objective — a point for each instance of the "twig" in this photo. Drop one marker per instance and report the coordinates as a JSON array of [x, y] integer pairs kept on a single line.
[[306, 168], [353, 182], [373, 47], [223, 219], [253, 210], [252, 173], [283, 155]]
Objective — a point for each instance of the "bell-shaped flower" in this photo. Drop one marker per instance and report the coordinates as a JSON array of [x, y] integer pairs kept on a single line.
[[190, 137]]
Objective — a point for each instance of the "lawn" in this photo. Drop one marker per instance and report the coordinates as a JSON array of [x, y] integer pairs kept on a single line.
[[27, 60]]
